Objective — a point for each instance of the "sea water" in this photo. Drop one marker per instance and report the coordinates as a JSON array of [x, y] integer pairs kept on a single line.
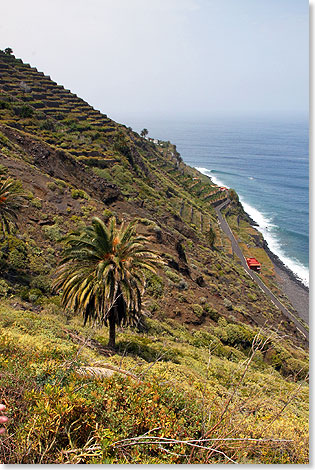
[[265, 161]]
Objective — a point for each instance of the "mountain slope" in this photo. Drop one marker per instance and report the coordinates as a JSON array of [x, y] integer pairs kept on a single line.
[[75, 163]]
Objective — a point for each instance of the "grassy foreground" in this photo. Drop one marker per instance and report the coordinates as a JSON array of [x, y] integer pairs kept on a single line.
[[222, 394]]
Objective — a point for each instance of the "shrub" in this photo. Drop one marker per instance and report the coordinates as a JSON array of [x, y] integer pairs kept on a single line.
[[79, 194], [36, 202], [197, 309], [146, 222], [52, 232], [222, 322], [239, 335], [182, 298], [4, 288], [103, 173], [61, 183], [227, 304], [51, 185], [252, 297], [24, 111], [18, 259], [172, 275], [182, 285], [155, 285], [41, 282], [87, 210], [211, 312], [107, 214], [4, 105], [34, 294], [47, 125], [202, 338]]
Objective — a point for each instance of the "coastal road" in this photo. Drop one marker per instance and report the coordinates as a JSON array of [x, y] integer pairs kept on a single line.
[[236, 249]]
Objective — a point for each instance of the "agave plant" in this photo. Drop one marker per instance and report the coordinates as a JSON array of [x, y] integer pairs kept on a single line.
[[102, 273], [11, 200]]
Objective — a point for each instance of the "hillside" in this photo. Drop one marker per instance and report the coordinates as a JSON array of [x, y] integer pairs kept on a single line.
[[203, 312]]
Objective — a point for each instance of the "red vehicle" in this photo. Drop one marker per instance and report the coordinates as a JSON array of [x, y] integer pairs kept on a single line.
[[253, 264]]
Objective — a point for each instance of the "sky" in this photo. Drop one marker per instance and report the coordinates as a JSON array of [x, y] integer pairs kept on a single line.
[[180, 59]]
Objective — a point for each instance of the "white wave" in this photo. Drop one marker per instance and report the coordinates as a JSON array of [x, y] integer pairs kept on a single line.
[[209, 173], [265, 226]]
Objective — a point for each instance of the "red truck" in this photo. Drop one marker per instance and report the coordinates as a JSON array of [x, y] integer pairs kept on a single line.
[[253, 264]]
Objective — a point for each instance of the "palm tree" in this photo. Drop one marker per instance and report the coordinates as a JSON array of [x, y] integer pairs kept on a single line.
[[11, 200], [102, 273], [144, 132]]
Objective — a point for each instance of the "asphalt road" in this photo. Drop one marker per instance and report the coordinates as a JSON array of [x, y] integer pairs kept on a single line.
[[255, 277]]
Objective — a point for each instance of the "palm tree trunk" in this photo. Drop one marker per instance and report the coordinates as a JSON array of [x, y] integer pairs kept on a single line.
[[112, 331]]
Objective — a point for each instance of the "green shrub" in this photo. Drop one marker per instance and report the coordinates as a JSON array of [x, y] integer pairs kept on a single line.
[[146, 222], [18, 259], [52, 232], [107, 214], [155, 285], [103, 173], [143, 347], [252, 297], [61, 183], [47, 125], [198, 310], [222, 322], [202, 338], [34, 294], [221, 334], [36, 202], [182, 298], [4, 105], [24, 111], [51, 185], [239, 335], [4, 288], [172, 275], [79, 194], [211, 312], [87, 210], [41, 282]]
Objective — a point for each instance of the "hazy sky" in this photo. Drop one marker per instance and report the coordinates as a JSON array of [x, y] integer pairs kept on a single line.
[[168, 58]]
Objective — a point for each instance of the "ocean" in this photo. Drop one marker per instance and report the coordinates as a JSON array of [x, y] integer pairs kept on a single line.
[[265, 161]]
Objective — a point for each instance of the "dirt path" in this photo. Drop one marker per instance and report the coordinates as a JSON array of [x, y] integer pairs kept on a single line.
[[226, 229]]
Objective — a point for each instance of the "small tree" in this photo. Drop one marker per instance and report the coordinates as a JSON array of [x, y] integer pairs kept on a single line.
[[144, 132], [8, 51], [211, 237], [102, 274]]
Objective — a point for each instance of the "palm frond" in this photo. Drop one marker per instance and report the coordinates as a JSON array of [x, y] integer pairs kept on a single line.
[[102, 271]]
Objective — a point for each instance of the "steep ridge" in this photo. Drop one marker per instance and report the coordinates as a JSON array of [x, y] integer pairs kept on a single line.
[[74, 163]]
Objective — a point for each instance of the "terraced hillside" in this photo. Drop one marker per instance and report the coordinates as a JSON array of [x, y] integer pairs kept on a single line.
[[74, 163]]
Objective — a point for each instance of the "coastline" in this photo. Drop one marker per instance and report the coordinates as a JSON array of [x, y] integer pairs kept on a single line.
[[295, 290], [296, 271], [292, 287]]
